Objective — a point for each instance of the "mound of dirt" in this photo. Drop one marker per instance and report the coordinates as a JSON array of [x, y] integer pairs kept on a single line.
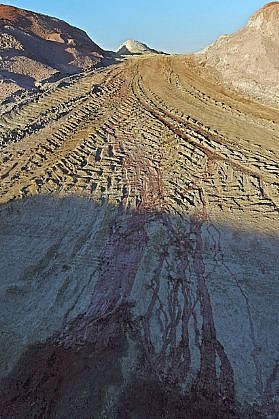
[[131, 47], [33, 47], [248, 60]]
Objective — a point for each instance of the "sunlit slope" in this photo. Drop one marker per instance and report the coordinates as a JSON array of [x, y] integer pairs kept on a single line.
[[248, 59], [151, 127]]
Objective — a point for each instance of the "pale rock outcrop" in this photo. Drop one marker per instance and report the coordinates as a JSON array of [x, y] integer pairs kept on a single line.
[[131, 47], [248, 60]]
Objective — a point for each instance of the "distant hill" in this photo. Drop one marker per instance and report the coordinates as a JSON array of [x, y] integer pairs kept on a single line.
[[249, 58], [34, 47], [131, 47]]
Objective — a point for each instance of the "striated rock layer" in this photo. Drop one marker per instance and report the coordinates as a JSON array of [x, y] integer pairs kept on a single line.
[[248, 60], [139, 248], [35, 47]]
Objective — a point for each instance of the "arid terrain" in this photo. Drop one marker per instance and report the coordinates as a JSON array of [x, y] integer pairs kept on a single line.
[[36, 49], [131, 47], [139, 247], [248, 60]]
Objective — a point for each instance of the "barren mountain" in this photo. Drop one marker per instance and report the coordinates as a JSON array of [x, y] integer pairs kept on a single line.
[[248, 60], [139, 248], [34, 47], [131, 47]]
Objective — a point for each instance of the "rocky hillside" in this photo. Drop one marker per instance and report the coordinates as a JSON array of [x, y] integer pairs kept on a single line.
[[34, 47], [131, 47], [249, 59]]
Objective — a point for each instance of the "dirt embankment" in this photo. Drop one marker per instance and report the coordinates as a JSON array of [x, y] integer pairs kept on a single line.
[[248, 60], [35, 47]]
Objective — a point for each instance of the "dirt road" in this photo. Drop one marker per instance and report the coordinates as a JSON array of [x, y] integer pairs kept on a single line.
[[139, 234]]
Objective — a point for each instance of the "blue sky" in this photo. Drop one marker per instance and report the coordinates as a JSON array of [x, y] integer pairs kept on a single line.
[[178, 26]]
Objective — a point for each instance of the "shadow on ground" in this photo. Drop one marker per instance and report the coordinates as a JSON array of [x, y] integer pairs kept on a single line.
[[113, 313]]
